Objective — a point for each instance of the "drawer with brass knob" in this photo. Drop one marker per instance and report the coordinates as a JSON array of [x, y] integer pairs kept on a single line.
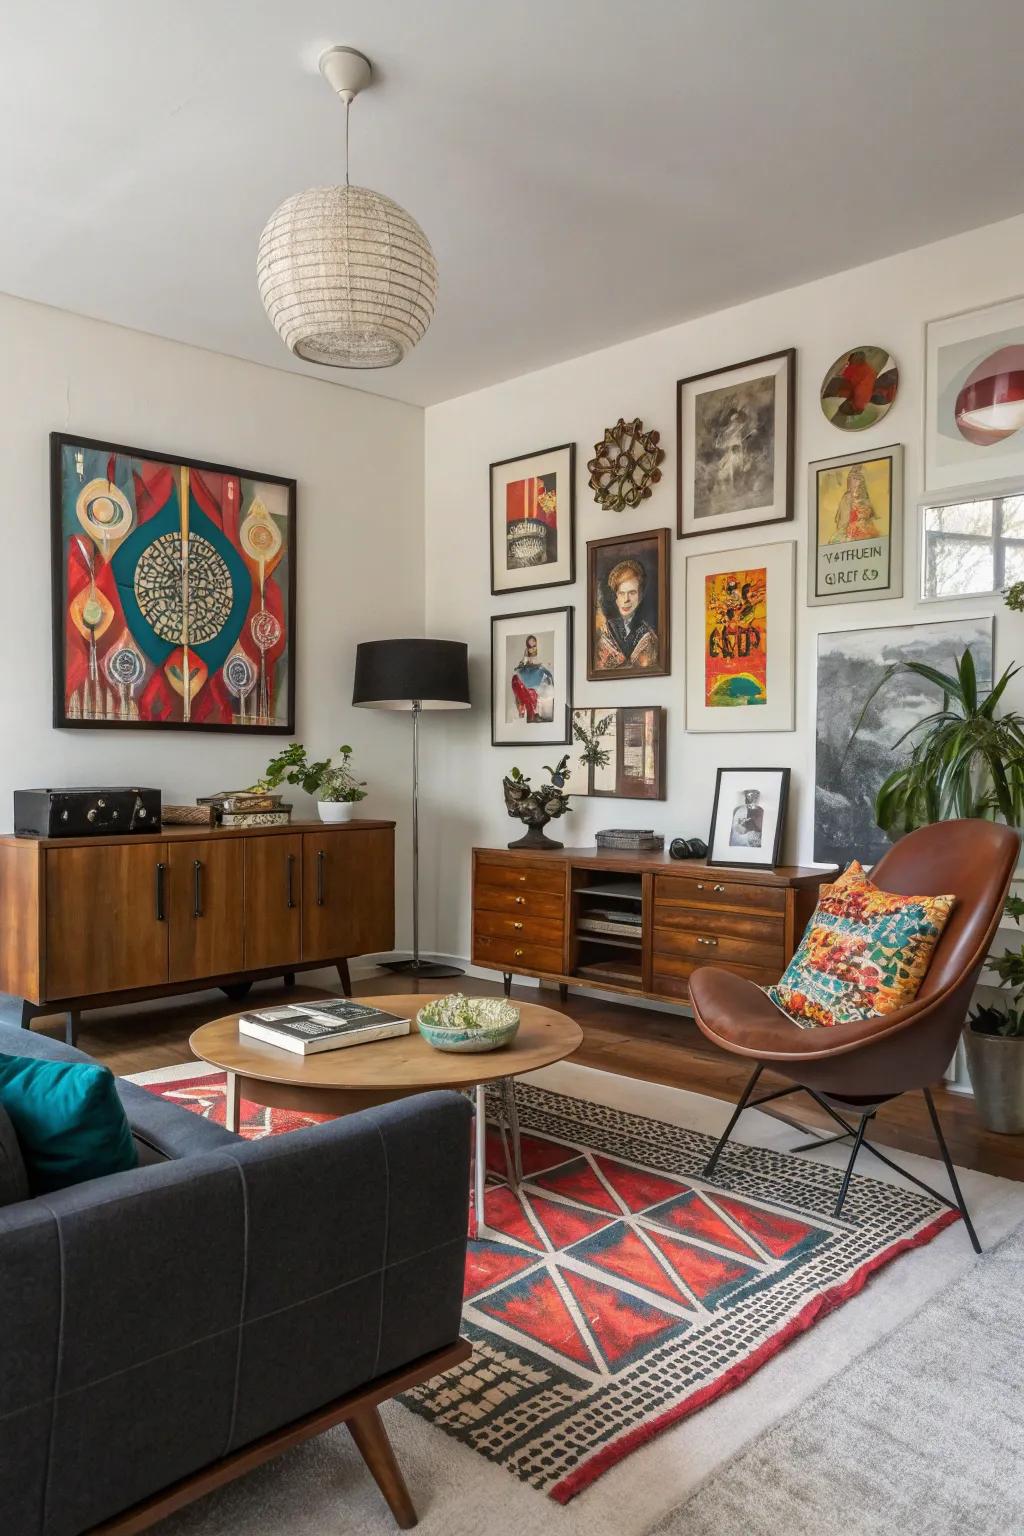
[[534, 930], [514, 875], [519, 903], [716, 949], [510, 955], [674, 891]]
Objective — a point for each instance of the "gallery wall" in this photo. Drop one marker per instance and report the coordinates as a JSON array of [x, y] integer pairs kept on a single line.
[[886, 303], [358, 460]]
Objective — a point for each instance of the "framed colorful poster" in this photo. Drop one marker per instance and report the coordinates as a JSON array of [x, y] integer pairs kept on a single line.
[[533, 520], [618, 753], [748, 817], [974, 397], [739, 639], [855, 552], [628, 605], [531, 678], [173, 592], [735, 433]]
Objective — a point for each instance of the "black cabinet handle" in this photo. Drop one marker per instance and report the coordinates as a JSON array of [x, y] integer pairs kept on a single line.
[[320, 859], [197, 887], [160, 914], [289, 867]]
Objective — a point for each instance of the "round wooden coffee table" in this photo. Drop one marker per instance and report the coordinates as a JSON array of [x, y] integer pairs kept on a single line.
[[339, 1082]]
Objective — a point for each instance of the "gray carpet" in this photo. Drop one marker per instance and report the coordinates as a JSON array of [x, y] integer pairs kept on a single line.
[[923, 1435]]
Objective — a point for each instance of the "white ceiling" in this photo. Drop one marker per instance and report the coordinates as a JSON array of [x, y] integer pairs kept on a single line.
[[587, 170]]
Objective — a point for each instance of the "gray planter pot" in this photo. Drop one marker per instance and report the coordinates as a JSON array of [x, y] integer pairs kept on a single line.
[[996, 1065]]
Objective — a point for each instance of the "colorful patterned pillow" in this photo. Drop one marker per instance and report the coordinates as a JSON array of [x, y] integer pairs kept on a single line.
[[865, 953]]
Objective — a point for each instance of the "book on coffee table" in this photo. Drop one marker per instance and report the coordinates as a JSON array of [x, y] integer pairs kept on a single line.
[[326, 1025]]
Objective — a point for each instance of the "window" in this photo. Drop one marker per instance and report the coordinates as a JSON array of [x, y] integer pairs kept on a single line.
[[971, 547]]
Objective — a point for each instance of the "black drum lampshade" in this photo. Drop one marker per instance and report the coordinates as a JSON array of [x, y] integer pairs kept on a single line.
[[398, 674], [413, 675]]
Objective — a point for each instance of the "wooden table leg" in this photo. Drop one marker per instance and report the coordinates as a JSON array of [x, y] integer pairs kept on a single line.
[[367, 1430], [480, 1156], [232, 1102]]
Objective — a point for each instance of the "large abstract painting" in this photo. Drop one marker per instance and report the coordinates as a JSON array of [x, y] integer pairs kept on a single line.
[[173, 590], [849, 770]]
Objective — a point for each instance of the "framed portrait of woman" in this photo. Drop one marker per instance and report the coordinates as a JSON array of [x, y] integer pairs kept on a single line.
[[855, 504], [531, 678], [628, 605], [735, 461]]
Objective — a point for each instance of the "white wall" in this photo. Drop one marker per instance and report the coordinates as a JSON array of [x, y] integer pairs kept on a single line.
[[886, 304], [358, 460]]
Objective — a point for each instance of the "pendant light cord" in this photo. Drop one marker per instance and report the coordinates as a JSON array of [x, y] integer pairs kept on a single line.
[[348, 108]]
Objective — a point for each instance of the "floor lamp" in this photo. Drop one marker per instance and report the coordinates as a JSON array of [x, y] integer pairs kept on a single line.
[[413, 675]]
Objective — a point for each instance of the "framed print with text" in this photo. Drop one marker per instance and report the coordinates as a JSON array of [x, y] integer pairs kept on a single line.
[[531, 678], [740, 625], [855, 550]]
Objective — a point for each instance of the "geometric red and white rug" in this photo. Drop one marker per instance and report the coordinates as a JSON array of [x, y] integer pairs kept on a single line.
[[617, 1292]]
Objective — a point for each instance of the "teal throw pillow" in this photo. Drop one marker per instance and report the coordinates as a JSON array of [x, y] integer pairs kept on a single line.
[[68, 1119]]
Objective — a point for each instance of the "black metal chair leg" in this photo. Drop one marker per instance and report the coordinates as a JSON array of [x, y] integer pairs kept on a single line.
[[937, 1128], [848, 1175], [740, 1107]]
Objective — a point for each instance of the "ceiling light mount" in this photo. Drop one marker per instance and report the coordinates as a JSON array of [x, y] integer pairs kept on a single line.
[[346, 70]]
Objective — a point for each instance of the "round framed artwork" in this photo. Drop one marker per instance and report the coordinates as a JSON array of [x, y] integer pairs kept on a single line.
[[859, 388]]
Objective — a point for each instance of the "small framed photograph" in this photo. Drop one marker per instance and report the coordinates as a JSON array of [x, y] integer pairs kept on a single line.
[[748, 817], [740, 625], [628, 605], [856, 510], [533, 520], [735, 431], [618, 753], [531, 678]]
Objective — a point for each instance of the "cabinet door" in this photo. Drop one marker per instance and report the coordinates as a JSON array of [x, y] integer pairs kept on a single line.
[[273, 900], [348, 893], [205, 908], [106, 918]]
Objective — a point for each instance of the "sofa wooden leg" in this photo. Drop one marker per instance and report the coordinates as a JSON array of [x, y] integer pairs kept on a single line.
[[344, 978], [367, 1430]]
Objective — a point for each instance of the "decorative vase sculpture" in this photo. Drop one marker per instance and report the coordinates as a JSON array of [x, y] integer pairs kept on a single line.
[[536, 807]]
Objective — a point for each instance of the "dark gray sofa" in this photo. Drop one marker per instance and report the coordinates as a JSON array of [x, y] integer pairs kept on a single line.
[[156, 1321]]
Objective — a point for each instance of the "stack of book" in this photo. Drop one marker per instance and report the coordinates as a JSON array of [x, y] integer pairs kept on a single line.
[[247, 808], [327, 1025]]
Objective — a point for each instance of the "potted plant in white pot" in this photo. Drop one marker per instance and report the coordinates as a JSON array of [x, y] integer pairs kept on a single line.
[[967, 759], [335, 786]]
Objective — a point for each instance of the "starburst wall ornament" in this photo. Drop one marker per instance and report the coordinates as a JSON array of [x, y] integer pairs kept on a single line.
[[625, 467]]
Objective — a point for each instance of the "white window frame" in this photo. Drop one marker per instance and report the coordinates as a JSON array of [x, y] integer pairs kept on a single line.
[[992, 490]]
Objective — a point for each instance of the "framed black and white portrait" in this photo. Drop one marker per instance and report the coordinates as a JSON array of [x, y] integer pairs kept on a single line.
[[748, 817], [735, 460]]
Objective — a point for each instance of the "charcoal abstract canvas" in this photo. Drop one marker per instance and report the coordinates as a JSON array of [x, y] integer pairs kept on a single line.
[[849, 769]]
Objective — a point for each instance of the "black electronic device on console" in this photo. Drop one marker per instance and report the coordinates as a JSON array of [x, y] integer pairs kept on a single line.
[[687, 848], [85, 812]]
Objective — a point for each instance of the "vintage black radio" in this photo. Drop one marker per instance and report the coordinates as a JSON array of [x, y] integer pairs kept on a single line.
[[80, 812]]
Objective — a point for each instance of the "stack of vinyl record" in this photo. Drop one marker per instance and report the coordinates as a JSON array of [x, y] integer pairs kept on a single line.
[[247, 808]]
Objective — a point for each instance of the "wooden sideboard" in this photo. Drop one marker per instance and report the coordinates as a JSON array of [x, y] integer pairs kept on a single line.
[[96, 920], [534, 915]]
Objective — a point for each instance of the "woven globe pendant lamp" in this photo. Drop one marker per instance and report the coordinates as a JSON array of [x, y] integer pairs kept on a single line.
[[347, 277]]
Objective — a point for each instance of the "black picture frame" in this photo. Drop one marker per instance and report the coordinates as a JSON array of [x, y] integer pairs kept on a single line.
[[63, 721], [773, 860], [607, 552], [522, 458], [786, 354], [566, 725]]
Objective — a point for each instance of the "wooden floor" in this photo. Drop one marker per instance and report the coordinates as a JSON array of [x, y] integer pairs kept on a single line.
[[635, 1042]]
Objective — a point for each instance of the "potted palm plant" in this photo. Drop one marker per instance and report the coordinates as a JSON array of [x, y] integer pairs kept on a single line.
[[335, 786], [967, 759]]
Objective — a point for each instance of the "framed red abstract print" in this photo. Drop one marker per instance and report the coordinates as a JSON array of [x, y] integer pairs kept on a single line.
[[533, 520], [173, 592]]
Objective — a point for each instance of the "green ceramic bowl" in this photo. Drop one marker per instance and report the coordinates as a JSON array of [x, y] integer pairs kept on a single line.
[[458, 1023]]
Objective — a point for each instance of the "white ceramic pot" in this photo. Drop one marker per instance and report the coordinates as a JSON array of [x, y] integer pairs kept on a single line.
[[336, 810]]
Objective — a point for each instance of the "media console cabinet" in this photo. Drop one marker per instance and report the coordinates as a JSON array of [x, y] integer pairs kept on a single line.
[[90, 921], [636, 923]]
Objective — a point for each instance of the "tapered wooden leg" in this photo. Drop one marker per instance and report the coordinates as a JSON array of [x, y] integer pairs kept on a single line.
[[506, 978], [289, 978], [28, 1013], [344, 978], [371, 1438], [71, 1027], [563, 992]]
